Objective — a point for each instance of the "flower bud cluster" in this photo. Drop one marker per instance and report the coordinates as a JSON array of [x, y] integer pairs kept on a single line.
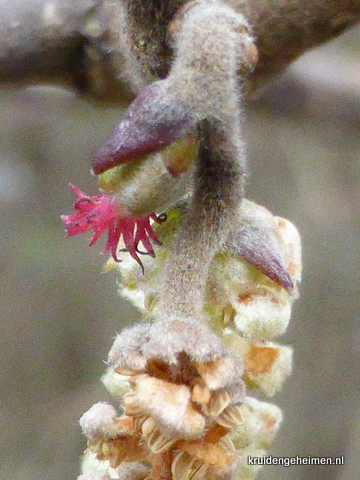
[[187, 419], [184, 410]]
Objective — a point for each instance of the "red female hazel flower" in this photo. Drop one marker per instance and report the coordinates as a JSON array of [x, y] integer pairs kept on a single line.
[[102, 212]]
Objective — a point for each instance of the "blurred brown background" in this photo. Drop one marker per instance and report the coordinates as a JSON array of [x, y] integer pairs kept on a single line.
[[60, 313]]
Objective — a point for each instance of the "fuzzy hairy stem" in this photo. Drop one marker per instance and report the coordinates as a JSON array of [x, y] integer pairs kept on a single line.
[[217, 195], [212, 30], [86, 45]]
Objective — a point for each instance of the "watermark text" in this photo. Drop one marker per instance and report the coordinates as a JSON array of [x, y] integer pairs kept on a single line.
[[298, 460]]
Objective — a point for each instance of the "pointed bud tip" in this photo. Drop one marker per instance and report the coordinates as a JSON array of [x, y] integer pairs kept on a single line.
[[154, 120]]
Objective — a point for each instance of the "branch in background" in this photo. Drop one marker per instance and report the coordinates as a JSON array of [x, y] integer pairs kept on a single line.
[[80, 44], [40, 41], [285, 30], [50, 42]]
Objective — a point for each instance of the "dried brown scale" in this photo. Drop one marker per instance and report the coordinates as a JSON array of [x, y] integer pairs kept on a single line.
[[260, 359], [211, 453], [213, 448]]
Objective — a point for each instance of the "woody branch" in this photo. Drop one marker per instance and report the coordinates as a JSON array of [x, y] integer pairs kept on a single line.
[[76, 43]]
